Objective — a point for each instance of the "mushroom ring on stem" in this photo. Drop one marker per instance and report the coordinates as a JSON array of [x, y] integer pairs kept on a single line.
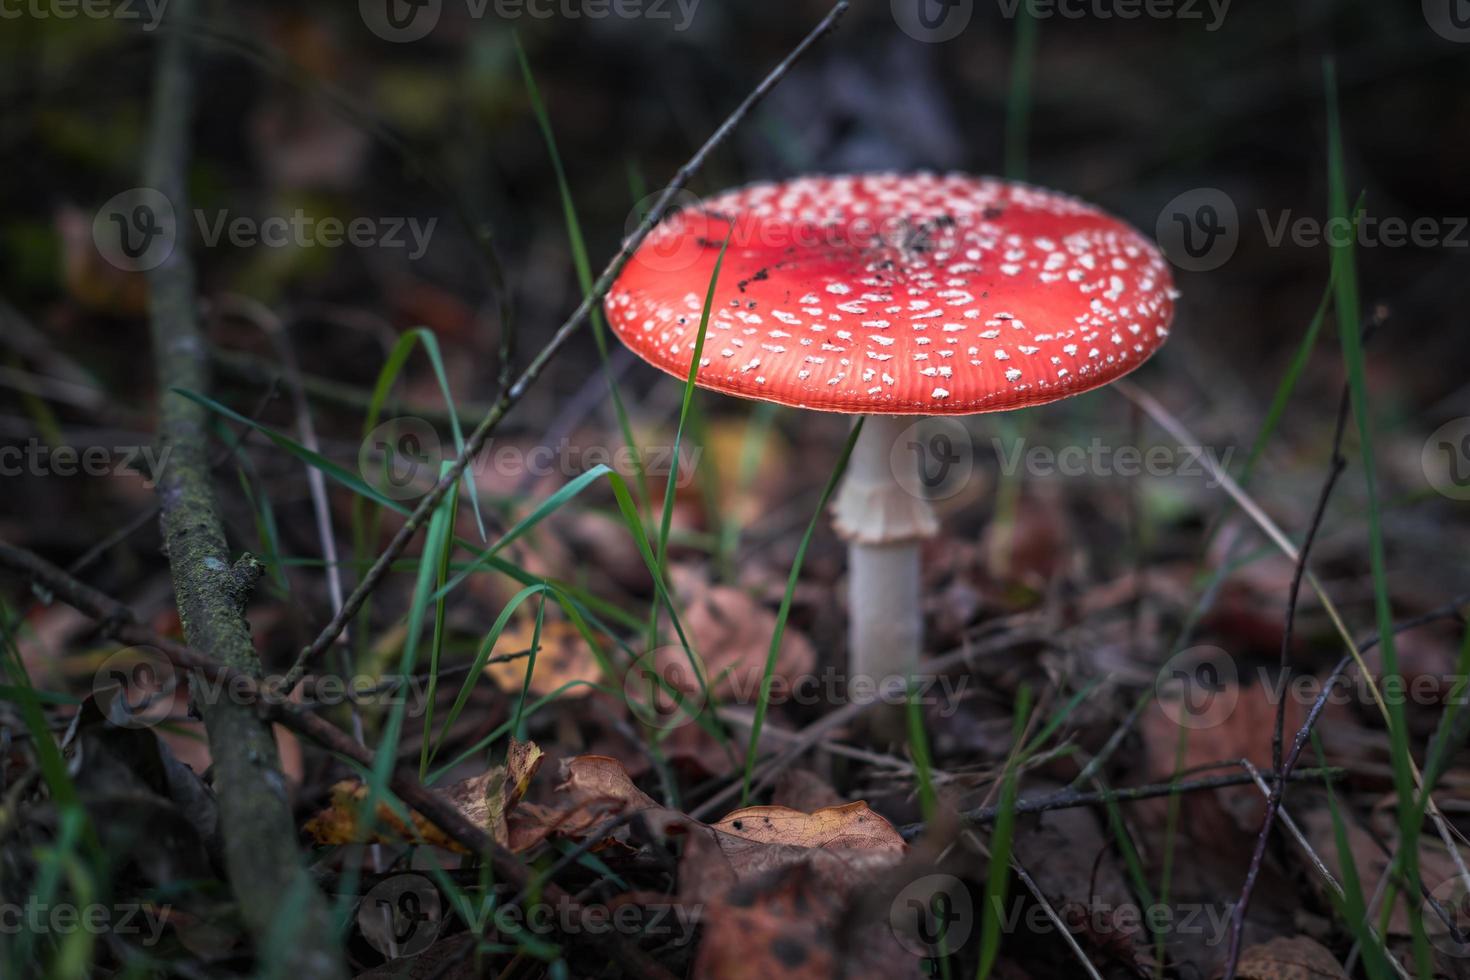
[[893, 295]]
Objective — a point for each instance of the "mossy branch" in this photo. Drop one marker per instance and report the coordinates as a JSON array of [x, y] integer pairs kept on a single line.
[[264, 864]]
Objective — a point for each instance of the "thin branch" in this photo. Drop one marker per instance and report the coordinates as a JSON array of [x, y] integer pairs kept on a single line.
[[1067, 799], [510, 396], [1335, 469]]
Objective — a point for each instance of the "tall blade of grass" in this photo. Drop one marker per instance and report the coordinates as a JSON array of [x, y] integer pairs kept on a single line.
[[477, 667], [439, 537], [1058, 718], [397, 357], [1345, 279], [667, 517], [1350, 905], [998, 876], [1171, 831], [436, 649], [763, 701], [519, 719], [1018, 99], [367, 515], [919, 749], [584, 268], [266, 531]]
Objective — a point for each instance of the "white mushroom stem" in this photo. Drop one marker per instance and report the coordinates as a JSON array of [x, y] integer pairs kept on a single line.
[[883, 523]]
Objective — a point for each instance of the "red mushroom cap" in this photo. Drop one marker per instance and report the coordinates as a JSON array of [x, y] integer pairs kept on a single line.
[[913, 294]]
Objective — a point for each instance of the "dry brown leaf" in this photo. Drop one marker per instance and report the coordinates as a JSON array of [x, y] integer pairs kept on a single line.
[[731, 631], [1289, 958], [1435, 864], [769, 928], [564, 657], [851, 826], [488, 799]]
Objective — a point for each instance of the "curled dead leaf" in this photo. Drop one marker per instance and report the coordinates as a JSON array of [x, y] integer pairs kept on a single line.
[[488, 799]]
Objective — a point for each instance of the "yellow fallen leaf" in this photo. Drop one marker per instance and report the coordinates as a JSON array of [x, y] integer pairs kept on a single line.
[[564, 657]]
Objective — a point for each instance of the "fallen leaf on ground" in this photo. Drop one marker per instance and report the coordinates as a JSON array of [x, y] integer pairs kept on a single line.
[[731, 631], [564, 657], [1294, 958], [489, 800]]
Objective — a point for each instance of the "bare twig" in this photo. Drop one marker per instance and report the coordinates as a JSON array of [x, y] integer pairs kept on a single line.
[[1067, 799], [1273, 801], [510, 396]]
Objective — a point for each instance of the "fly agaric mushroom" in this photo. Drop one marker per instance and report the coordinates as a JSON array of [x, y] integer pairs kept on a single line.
[[894, 295]]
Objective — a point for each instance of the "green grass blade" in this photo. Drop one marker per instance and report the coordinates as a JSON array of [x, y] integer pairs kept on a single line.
[[436, 649], [583, 266], [763, 701], [998, 877], [1018, 98], [667, 516], [1345, 280], [919, 750], [439, 537]]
